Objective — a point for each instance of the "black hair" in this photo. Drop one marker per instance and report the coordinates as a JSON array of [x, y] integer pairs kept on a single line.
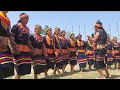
[[79, 35], [19, 21], [63, 32], [55, 31], [22, 14], [72, 34], [99, 22]]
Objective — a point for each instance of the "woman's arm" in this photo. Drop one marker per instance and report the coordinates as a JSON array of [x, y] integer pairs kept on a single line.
[[44, 51], [32, 50], [95, 37]]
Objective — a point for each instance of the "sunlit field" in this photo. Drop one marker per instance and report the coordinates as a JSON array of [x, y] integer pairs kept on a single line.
[[89, 74]]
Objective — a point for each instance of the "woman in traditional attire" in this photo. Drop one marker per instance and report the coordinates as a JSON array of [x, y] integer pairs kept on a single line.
[[65, 51], [6, 57], [58, 53], [116, 52], [109, 56], [48, 41], [90, 53], [39, 62], [72, 51], [20, 32], [81, 50], [100, 38]]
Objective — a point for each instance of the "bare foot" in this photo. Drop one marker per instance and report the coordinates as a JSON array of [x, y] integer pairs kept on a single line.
[[65, 71], [46, 75], [89, 68], [101, 78], [108, 76], [73, 70], [118, 67], [80, 69], [35, 77], [59, 72], [54, 73], [110, 68], [83, 70]]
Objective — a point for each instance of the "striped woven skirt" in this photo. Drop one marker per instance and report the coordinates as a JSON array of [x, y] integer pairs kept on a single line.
[[6, 64], [100, 58], [23, 63], [82, 59], [116, 58], [109, 59], [73, 58], [50, 61], [90, 58], [58, 61], [65, 58], [39, 64]]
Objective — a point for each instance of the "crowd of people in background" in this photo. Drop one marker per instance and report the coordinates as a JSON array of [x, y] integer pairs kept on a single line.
[[22, 51]]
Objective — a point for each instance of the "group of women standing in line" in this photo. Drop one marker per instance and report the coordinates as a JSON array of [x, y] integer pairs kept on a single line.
[[21, 51]]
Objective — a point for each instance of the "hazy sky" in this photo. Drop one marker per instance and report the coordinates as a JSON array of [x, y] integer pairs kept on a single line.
[[68, 19]]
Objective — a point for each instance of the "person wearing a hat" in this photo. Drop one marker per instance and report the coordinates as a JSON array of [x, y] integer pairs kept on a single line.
[[20, 33], [81, 50], [100, 38], [72, 52], [6, 57], [39, 62], [116, 52], [48, 41]]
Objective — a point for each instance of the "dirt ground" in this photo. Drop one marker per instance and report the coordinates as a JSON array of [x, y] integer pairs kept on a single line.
[[89, 74]]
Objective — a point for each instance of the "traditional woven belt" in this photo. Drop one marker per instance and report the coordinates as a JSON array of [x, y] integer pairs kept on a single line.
[[23, 48], [100, 46]]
